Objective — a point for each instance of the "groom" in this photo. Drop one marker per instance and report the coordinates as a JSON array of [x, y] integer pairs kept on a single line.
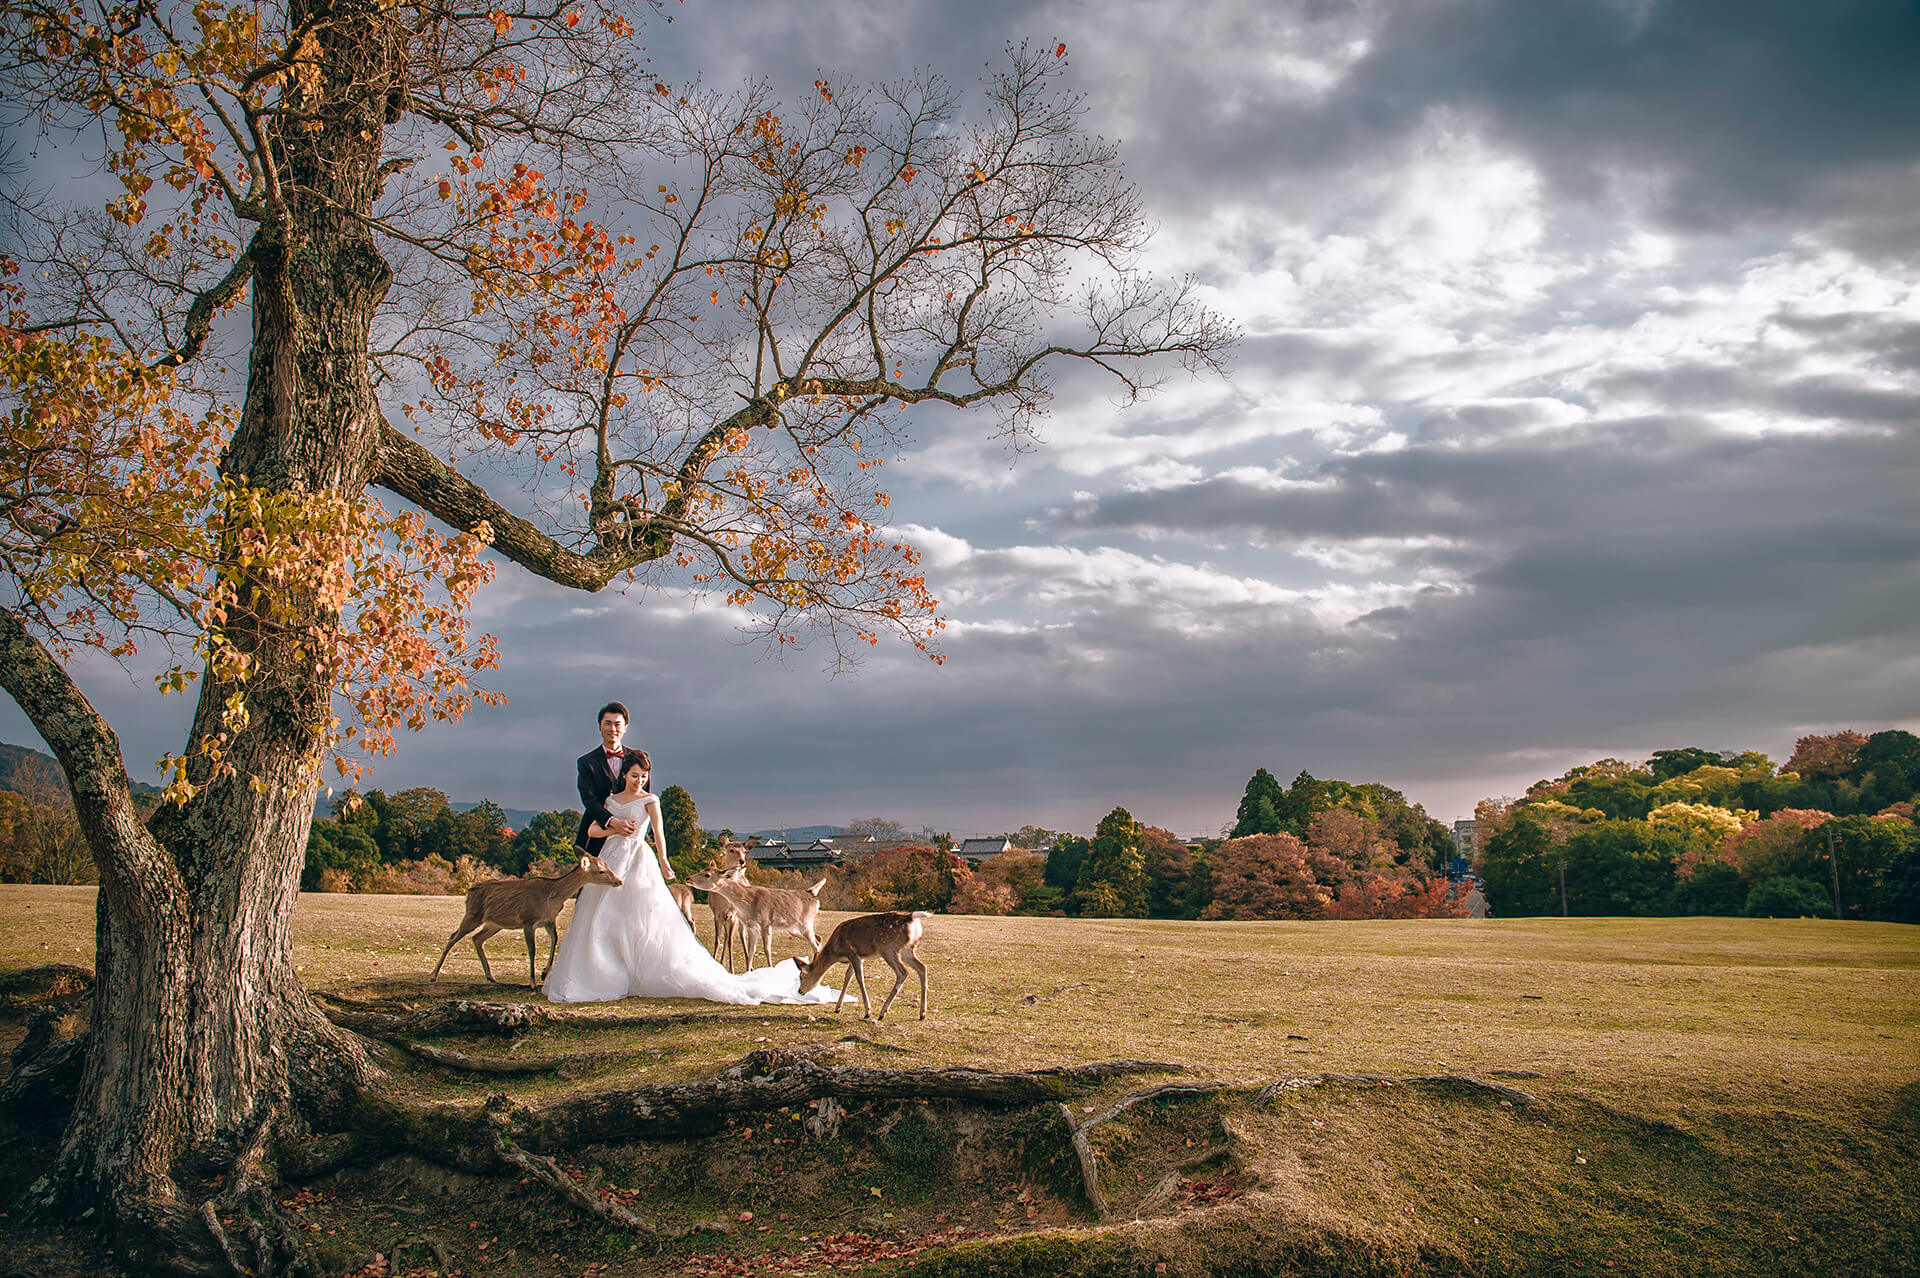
[[599, 770]]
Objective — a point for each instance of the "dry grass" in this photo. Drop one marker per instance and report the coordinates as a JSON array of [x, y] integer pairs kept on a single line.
[[1727, 1082]]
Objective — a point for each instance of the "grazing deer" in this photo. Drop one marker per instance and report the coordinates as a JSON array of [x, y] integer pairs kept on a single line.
[[763, 911], [528, 903], [892, 936]]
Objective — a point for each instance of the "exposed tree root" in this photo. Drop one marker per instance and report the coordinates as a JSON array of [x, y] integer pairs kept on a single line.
[[548, 1173], [442, 1018], [1083, 1145], [488, 1064], [278, 1248], [1455, 1082], [211, 1218], [461, 1136], [383, 1020]]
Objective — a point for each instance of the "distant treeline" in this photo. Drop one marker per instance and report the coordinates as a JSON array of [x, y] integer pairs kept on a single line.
[[1315, 849], [414, 841], [1688, 831], [1691, 831]]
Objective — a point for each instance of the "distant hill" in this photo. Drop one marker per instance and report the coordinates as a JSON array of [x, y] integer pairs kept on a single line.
[[25, 770], [518, 818], [797, 833]]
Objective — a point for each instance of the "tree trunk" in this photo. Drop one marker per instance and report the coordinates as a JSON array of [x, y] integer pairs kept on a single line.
[[202, 1031]]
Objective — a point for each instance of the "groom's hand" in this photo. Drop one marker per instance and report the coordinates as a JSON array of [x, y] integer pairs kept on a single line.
[[620, 825]]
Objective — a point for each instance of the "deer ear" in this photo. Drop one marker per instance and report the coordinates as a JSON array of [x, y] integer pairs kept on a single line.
[[586, 860]]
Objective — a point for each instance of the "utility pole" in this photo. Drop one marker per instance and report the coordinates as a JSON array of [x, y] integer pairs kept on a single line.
[[1833, 863], [1563, 887]]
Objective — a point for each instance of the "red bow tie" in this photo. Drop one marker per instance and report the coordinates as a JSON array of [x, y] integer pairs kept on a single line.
[[612, 754]]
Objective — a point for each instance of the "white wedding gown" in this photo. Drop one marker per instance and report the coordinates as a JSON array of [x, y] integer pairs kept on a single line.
[[633, 940]]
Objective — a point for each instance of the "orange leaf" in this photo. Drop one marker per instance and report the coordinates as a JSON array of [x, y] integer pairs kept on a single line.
[[1060, 52]]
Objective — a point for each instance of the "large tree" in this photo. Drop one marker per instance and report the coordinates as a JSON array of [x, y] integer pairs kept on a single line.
[[1112, 882], [364, 245]]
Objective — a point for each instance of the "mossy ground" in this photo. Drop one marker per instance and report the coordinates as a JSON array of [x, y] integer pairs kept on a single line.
[[1718, 1097]]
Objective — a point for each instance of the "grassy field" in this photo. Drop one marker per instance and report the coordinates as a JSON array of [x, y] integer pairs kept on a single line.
[[1716, 1095]]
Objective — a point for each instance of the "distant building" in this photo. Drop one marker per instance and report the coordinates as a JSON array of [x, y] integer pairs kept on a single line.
[[1466, 839], [778, 854], [981, 849]]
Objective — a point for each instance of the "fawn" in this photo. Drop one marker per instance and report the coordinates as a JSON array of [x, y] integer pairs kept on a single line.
[[892, 936], [527, 903]]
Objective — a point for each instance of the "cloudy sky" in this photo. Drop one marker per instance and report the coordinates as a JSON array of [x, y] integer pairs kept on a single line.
[[1575, 415]]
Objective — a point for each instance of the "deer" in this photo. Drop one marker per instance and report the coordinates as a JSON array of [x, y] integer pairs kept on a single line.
[[529, 903], [762, 911], [729, 928], [683, 897], [892, 936]]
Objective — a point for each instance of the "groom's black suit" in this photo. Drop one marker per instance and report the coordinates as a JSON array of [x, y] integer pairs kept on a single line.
[[596, 783]]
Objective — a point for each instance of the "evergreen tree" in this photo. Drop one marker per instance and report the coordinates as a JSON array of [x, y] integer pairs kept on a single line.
[[680, 823], [1113, 880], [1252, 817], [1064, 862], [1306, 796]]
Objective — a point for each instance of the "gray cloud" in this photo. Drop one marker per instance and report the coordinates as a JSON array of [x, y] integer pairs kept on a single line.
[[1712, 116], [1504, 482]]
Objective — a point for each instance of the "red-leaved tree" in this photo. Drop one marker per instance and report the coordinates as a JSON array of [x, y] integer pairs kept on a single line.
[[1270, 876]]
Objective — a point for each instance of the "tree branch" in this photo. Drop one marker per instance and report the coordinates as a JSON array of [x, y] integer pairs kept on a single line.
[[193, 334], [405, 467]]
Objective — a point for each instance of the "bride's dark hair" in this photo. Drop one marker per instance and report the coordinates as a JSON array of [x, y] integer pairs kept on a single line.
[[638, 759]]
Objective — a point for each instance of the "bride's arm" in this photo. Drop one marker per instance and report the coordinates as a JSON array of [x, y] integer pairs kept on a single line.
[[659, 836]]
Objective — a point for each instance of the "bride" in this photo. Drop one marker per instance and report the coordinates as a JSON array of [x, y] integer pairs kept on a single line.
[[633, 940]]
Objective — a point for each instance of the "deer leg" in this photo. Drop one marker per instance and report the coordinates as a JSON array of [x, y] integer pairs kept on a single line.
[[912, 960], [899, 979], [843, 989], [479, 941], [466, 925], [553, 944], [860, 979], [533, 981]]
